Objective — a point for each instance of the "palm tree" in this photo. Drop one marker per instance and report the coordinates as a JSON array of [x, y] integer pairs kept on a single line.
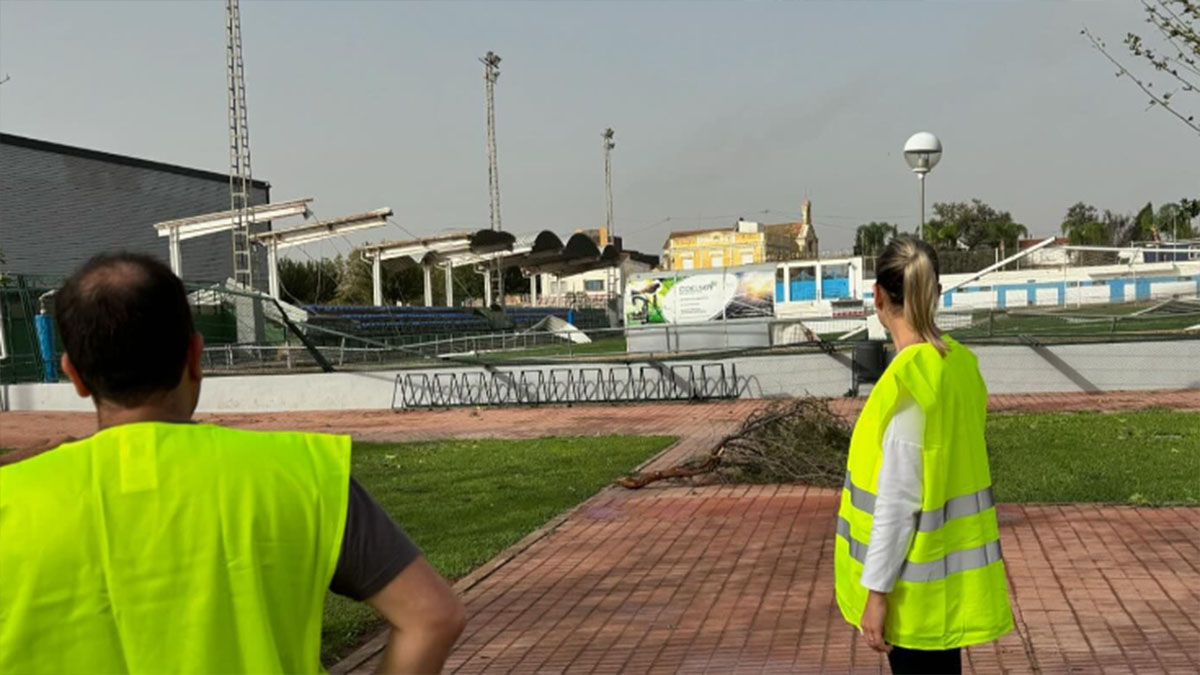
[[1083, 226], [1005, 233], [872, 237]]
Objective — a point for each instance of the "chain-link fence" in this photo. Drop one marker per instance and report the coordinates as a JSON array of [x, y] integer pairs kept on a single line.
[[248, 333]]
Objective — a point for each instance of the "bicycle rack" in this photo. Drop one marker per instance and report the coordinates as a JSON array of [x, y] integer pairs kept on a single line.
[[594, 384]]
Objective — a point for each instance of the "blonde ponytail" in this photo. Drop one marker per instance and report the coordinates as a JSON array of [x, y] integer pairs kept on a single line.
[[908, 270]]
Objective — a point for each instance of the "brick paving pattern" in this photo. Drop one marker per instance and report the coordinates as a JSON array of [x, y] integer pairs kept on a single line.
[[739, 579]]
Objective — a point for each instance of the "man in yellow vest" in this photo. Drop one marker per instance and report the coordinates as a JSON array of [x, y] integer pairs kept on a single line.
[[158, 545], [917, 553]]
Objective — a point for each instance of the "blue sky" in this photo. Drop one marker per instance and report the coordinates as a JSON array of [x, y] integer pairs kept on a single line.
[[720, 109]]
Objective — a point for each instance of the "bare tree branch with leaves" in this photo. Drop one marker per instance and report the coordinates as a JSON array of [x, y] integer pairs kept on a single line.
[[1173, 54]]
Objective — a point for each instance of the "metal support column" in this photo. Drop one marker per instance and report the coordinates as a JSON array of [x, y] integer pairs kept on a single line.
[[487, 287], [533, 290], [376, 280], [449, 285], [176, 258], [273, 268], [428, 270]]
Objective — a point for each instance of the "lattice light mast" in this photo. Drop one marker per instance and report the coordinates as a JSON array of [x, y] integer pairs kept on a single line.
[[613, 275], [491, 73], [609, 144], [240, 182]]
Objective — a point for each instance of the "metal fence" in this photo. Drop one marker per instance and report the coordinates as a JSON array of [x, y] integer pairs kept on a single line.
[[249, 333]]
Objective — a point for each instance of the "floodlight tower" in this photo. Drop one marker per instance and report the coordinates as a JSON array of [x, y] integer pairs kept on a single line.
[[613, 274], [491, 73], [240, 183], [609, 144]]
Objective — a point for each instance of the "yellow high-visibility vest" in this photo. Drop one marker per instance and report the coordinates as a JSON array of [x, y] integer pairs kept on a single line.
[[171, 548], [951, 591]]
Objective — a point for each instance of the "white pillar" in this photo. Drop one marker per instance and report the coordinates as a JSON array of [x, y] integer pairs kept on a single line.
[[376, 280], [428, 270], [820, 279], [487, 286], [449, 285], [787, 283], [273, 268], [533, 291], [173, 248]]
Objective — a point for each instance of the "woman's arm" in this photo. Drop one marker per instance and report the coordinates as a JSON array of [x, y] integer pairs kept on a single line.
[[897, 506]]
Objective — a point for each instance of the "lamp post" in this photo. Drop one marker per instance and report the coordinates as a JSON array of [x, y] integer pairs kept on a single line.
[[922, 151]]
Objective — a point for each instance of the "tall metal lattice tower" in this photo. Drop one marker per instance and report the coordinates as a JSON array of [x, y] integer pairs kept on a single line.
[[491, 73], [240, 183], [614, 275], [609, 144]]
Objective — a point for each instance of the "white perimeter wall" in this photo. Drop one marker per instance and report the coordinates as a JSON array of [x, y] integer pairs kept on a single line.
[[1007, 369]]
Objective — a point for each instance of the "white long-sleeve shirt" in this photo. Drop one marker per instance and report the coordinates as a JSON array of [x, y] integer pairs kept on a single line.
[[897, 498]]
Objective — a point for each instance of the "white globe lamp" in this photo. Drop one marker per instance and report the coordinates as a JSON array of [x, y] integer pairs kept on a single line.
[[922, 151]]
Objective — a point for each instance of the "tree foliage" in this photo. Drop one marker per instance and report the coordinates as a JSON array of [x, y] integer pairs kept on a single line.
[[348, 281], [971, 225], [1085, 225], [870, 238], [1166, 59]]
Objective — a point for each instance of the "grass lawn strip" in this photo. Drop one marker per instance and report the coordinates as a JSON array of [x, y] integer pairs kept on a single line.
[[466, 501], [1149, 457]]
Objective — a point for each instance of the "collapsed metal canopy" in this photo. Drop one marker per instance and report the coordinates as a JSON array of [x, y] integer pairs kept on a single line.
[[466, 246]]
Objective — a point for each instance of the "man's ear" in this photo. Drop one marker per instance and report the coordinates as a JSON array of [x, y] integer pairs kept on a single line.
[[69, 369], [194, 354]]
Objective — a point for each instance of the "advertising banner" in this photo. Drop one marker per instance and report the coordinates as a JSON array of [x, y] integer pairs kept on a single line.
[[697, 297]]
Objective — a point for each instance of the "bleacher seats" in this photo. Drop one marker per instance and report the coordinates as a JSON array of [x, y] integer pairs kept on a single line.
[[371, 321]]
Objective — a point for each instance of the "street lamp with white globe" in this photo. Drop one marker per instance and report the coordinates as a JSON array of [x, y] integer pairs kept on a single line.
[[922, 151]]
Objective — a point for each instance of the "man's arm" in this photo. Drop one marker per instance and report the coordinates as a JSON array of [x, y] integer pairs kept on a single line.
[[381, 566], [426, 618]]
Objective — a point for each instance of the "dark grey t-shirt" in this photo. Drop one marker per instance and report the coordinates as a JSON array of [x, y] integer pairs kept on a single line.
[[374, 548]]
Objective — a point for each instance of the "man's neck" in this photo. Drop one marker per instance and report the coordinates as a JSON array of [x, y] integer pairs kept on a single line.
[[108, 415]]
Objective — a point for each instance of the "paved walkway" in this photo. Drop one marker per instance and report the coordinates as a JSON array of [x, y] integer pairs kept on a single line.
[[739, 579]]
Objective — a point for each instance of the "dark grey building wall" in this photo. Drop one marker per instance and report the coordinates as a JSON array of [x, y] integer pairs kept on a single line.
[[60, 205]]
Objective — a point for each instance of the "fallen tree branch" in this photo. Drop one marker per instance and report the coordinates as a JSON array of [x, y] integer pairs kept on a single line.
[[798, 440]]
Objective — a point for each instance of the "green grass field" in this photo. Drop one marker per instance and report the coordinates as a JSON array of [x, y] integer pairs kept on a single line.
[[1086, 321], [607, 345], [1145, 457], [465, 501]]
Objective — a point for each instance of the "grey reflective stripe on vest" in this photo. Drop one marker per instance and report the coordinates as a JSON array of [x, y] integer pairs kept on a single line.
[[860, 498], [958, 561], [964, 505]]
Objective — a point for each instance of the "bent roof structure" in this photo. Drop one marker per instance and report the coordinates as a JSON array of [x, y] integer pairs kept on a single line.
[[541, 252]]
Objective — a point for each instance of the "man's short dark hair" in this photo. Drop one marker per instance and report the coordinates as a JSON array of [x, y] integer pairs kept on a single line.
[[126, 324]]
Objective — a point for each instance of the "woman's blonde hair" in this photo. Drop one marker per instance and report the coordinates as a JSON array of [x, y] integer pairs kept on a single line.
[[908, 271]]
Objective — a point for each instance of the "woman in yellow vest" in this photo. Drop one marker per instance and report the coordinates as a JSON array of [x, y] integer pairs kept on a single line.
[[917, 551]]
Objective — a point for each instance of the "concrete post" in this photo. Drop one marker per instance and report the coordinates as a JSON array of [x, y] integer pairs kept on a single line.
[[449, 285], [376, 280], [533, 290], [273, 268], [428, 270], [487, 287], [173, 248]]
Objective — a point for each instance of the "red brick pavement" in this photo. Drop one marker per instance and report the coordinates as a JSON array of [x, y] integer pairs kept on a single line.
[[740, 579]]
